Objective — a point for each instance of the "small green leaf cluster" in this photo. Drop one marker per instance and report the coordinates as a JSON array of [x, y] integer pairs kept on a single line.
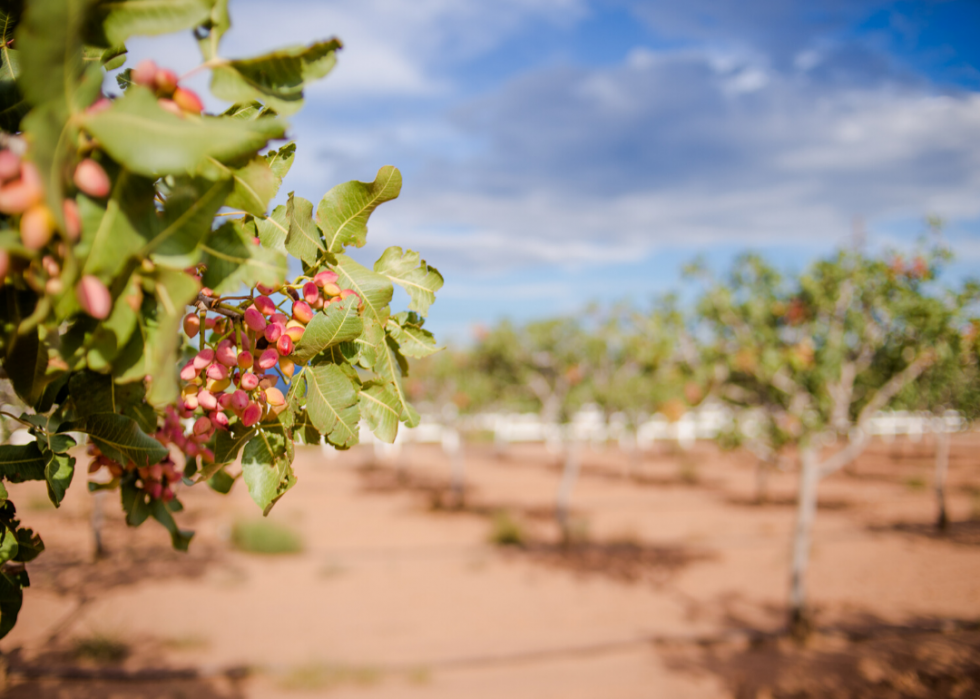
[[135, 225]]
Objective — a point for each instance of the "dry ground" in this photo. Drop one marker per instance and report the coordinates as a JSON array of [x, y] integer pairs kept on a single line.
[[669, 590]]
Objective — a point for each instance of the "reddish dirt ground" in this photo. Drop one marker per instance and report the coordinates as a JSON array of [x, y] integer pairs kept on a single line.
[[674, 585]]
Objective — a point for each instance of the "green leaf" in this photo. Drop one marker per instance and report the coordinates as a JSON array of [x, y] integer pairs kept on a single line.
[[276, 78], [255, 186], [116, 230], [11, 600], [161, 333], [303, 240], [49, 41], [21, 462], [280, 161], [234, 260], [266, 467], [113, 333], [119, 438], [135, 502], [229, 442], [188, 215], [380, 353], [344, 211], [380, 410], [413, 274], [332, 404], [338, 322], [179, 538], [295, 398], [29, 545], [274, 229], [218, 24], [125, 18], [58, 472], [27, 364], [413, 340], [221, 482], [374, 289], [151, 141]]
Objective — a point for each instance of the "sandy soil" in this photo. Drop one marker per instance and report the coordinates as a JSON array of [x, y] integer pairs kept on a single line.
[[673, 580]]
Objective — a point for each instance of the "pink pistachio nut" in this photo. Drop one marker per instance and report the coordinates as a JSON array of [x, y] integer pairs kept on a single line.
[[188, 372], [98, 106], [219, 420], [18, 196], [264, 305], [154, 489], [73, 220], [206, 399], [225, 353], [273, 331], [93, 297], [268, 359], [318, 304], [278, 318], [167, 495], [239, 400], [273, 396], [325, 277], [347, 293], [210, 322], [218, 372], [91, 179], [202, 425], [265, 290], [249, 381], [284, 345], [192, 324], [311, 292], [190, 403], [9, 165], [254, 320], [188, 100], [36, 227], [302, 312], [224, 399], [145, 73], [295, 332], [245, 360], [203, 358], [251, 414], [165, 81]]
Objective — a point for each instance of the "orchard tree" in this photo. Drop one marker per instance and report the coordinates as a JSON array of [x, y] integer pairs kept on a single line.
[[145, 294], [951, 383], [871, 330], [548, 364], [746, 319], [650, 363]]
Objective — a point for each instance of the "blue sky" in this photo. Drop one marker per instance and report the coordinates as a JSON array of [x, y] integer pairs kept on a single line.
[[561, 151]]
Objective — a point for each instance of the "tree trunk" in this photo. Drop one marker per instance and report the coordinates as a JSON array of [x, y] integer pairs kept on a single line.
[[942, 468], [452, 445], [96, 522], [806, 511], [762, 469], [565, 487]]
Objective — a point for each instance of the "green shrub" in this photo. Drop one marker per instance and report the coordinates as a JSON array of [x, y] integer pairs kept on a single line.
[[506, 531], [263, 536]]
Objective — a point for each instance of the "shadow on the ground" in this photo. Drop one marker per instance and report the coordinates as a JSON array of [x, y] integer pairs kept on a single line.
[[126, 689], [864, 658], [623, 561], [785, 501], [963, 533], [130, 557]]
